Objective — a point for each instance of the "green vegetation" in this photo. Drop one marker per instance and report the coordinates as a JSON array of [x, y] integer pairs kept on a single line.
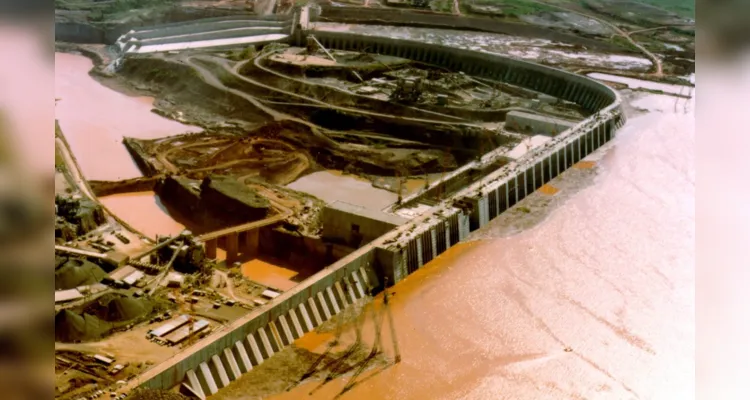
[[625, 43], [81, 5], [59, 160], [247, 53], [127, 5], [683, 8], [162, 75], [441, 5], [108, 10], [524, 210], [513, 8], [110, 6]]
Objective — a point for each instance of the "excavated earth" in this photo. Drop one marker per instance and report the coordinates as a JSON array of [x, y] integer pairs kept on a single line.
[[102, 316], [153, 394], [73, 272], [114, 307]]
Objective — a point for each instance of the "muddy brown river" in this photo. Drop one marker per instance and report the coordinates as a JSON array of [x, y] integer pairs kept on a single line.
[[94, 120]]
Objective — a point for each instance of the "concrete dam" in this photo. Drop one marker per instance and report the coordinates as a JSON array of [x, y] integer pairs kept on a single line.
[[477, 193], [214, 33]]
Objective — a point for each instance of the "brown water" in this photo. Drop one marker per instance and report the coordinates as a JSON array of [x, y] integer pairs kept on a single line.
[[267, 274], [595, 302], [95, 119], [144, 211]]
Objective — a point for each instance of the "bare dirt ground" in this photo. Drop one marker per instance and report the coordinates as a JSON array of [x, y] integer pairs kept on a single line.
[[129, 349], [272, 160], [263, 163], [128, 346], [77, 374]]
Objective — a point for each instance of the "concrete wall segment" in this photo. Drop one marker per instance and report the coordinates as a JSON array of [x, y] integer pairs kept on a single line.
[[203, 26], [212, 34]]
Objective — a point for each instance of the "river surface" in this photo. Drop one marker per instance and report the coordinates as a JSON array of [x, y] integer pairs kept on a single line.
[[94, 120], [145, 210], [595, 302]]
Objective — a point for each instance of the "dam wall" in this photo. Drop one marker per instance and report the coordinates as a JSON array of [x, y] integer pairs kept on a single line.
[[207, 30], [107, 33], [299, 249], [251, 19], [481, 190], [203, 26], [593, 96], [214, 34], [484, 200], [211, 364], [108, 188]]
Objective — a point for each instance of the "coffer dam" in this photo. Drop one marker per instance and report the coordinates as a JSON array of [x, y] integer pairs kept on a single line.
[[440, 216]]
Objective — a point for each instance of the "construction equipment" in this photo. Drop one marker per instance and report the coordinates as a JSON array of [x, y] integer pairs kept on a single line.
[[441, 186], [187, 309], [407, 91], [390, 323], [377, 345], [338, 367], [401, 175]]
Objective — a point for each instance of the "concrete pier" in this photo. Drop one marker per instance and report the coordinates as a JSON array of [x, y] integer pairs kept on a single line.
[[233, 247], [211, 246], [251, 243]]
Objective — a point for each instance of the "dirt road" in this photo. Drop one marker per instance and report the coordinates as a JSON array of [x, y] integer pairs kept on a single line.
[[657, 67]]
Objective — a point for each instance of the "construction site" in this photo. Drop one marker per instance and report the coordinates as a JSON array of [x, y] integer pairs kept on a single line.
[[324, 168]]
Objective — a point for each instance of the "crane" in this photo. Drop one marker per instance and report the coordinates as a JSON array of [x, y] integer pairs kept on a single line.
[[377, 345], [189, 310], [441, 186]]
